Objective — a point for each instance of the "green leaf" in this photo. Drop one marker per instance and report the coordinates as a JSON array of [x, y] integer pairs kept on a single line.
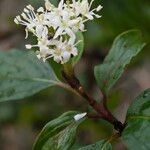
[[22, 75], [137, 132], [58, 134], [101, 145], [57, 68], [125, 46], [80, 47]]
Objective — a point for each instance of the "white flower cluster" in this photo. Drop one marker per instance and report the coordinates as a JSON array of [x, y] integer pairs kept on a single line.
[[56, 27]]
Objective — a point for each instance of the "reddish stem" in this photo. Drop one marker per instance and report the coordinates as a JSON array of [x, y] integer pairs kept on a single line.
[[100, 108]]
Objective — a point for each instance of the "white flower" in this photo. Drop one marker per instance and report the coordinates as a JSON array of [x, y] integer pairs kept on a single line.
[[44, 51], [63, 51], [41, 9], [79, 116], [48, 5], [55, 28], [66, 24], [83, 7], [32, 21], [41, 31], [52, 20]]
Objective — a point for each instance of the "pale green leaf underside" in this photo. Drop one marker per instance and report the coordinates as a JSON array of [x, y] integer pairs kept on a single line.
[[58, 134], [125, 46], [137, 132], [101, 145], [22, 75]]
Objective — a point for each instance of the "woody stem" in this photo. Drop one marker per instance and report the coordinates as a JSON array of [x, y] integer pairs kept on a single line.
[[100, 108]]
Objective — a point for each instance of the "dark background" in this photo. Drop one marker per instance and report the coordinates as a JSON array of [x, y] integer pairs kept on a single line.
[[21, 121]]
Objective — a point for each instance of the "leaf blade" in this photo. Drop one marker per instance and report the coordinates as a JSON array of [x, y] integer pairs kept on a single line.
[[101, 145], [136, 134], [125, 47], [23, 75], [58, 134]]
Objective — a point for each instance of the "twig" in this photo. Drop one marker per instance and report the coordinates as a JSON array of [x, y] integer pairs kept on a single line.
[[94, 116], [100, 108]]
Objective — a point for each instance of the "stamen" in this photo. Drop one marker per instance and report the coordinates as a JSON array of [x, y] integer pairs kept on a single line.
[[16, 21], [91, 3], [24, 16], [41, 9], [30, 7], [28, 46], [26, 10], [99, 8]]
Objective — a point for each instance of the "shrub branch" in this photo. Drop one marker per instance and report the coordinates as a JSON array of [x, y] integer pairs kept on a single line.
[[100, 108]]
